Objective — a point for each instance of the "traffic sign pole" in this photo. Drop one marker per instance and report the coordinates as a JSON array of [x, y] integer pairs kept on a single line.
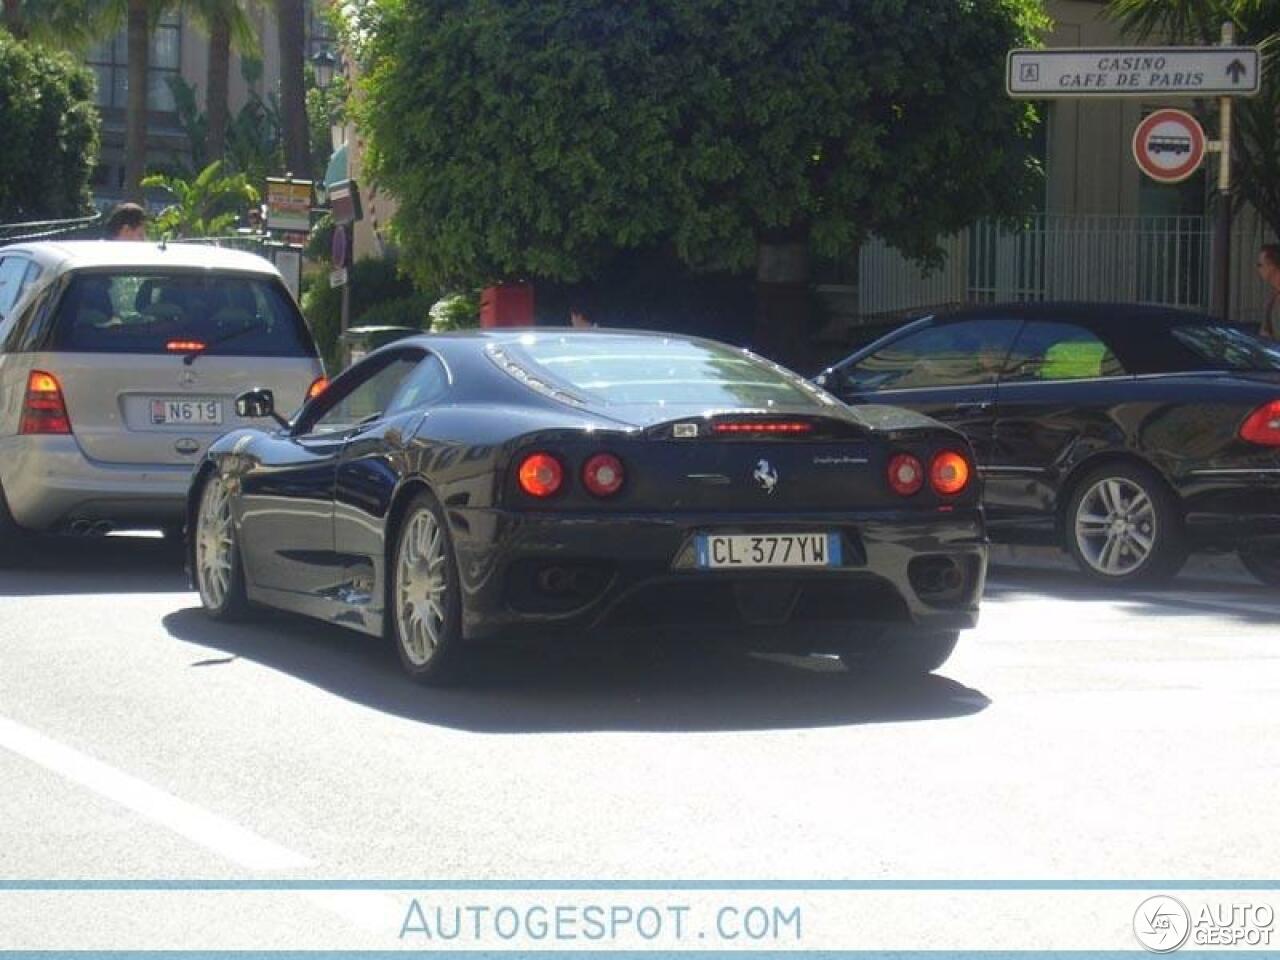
[[1222, 218]]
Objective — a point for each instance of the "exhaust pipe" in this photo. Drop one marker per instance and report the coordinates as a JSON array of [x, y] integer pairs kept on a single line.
[[556, 580]]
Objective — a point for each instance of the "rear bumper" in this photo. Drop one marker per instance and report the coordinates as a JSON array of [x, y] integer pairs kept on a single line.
[[50, 483], [639, 573]]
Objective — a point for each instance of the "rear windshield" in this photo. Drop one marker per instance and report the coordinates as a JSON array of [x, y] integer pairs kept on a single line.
[[621, 370], [228, 314], [1226, 348]]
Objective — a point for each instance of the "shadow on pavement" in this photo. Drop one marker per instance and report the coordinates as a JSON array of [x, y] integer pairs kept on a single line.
[[51, 566], [1247, 602], [560, 689]]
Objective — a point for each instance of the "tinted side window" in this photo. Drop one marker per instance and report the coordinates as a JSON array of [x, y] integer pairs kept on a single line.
[[12, 270], [30, 325], [365, 397], [426, 384], [1060, 351], [963, 353]]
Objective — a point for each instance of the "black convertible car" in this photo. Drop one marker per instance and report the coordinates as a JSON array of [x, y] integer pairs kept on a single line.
[[1127, 434], [498, 484]]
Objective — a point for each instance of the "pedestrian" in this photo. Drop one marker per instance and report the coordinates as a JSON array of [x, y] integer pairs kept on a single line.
[[578, 317], [127, 221], [1269, 271]]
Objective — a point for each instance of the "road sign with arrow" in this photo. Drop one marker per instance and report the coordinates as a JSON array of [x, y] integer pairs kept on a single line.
[[1134, 72]]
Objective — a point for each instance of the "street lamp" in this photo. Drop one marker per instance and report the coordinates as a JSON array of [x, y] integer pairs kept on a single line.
[[324, 63]]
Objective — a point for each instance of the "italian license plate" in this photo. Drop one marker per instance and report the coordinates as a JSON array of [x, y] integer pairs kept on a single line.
[[187, 412], [742, 550]]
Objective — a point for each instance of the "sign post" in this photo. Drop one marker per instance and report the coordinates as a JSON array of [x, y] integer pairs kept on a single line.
[[1169, 145]]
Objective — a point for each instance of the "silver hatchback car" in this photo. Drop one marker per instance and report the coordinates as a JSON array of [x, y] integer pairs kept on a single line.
[[120, 363]]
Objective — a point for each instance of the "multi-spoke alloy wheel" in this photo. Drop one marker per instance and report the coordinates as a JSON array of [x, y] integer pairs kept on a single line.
[[1123, 526], [1116, 526], [424, 591], [216, 559]]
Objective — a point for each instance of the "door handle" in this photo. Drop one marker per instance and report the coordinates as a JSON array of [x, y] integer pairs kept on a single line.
[[973, 406]]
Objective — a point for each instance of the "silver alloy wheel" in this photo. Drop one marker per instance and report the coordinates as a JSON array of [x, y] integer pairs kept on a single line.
[[215, 543], [1115, 526], [421, 585]]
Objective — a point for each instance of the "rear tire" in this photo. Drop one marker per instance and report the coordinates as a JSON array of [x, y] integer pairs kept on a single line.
[[424, 602], [1263, 563], [901, 651], [1123, 527], [215, 554]]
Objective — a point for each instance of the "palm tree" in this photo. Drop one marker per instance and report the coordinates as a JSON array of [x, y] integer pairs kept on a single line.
[[1256, 144], [228, 23], [291, 18]]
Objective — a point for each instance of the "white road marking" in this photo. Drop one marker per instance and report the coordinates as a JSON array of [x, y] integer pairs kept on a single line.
[[209, 830]]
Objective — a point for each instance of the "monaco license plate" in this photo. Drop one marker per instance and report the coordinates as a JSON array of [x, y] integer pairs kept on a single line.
[[765, 550], [187, 412]]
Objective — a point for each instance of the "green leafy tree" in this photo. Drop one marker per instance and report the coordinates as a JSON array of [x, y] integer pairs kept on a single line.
[[228, 24], [535, 138], [291, 30], [50, 141], [207, 206], [1256, 144]]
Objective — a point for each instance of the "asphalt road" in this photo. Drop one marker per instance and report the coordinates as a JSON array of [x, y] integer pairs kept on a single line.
[[1076, 734]]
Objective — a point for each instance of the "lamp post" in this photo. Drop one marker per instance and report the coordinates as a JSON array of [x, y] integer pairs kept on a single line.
[[324, 63]]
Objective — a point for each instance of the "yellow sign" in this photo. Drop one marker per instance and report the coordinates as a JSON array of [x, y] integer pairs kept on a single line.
[[288, 204]]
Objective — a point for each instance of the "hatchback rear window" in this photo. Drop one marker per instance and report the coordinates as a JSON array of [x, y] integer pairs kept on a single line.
[[224, 314], [621, 370]]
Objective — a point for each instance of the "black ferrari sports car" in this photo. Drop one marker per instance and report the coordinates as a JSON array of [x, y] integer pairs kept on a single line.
[[454, 488], [1129, 435]]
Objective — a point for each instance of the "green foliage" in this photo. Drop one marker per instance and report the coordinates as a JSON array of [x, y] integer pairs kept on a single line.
[[535, 138], [50, 128], [253, 144], [1256, 144], [457, 311], [206, 206], [380, 294]]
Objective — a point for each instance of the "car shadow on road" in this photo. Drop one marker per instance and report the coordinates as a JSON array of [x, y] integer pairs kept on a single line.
[[67, 565], [580, 688], [1246, 602]]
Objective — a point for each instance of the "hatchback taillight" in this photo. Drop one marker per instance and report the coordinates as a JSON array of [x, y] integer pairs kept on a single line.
[[906, 474], [43, 409], [602, 474], [1263, 425]]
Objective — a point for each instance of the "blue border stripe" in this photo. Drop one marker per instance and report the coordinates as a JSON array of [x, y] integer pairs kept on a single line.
[[419, 884]]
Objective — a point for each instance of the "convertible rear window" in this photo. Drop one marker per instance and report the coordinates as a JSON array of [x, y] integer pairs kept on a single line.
[[229, 314], [1226, 348], [622, 370]]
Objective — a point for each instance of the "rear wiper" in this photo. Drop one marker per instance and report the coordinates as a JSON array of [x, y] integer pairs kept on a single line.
[[190, 358]]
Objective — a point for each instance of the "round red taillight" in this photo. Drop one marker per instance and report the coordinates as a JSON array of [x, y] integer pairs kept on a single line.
[[906, 474], [603, 474], [949, 473], [540, 475]]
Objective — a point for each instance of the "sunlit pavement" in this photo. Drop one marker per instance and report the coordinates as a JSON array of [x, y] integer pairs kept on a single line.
[[1077, 734]]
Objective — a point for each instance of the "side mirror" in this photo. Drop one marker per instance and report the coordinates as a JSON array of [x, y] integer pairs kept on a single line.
[[256, 404], [259, 403]]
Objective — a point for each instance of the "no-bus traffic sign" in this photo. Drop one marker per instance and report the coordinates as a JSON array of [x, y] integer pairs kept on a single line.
[[1169, 145]]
